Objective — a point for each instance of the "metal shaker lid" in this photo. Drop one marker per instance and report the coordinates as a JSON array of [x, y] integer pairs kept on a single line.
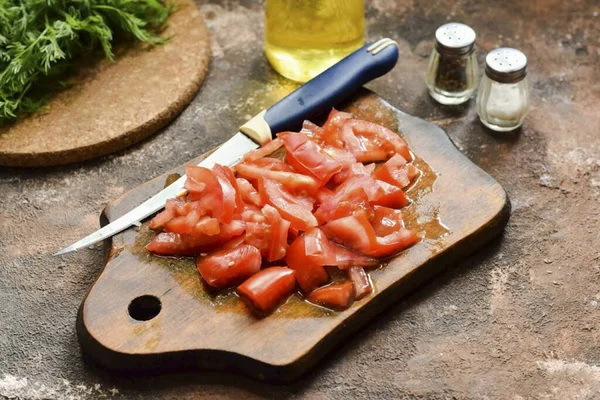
[[506, 65], [455, 39]]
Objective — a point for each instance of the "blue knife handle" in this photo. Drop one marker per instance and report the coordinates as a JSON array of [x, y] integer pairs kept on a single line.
[[333, 86]]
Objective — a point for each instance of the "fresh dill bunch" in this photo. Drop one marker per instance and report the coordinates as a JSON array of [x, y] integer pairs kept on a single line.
[[40, 40]]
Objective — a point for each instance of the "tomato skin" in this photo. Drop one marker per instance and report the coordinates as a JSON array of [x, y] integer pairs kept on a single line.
[[307, 157], [360, 281], [226, 268], [267, 289], [273, 193], [336, 297], [310, 272], [174, 244], [263, 151]]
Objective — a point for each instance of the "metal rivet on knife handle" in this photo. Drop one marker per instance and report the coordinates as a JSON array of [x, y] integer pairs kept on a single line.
[[257, 129]]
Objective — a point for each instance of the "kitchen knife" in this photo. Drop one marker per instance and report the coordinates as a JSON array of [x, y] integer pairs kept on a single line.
[[315, 97]]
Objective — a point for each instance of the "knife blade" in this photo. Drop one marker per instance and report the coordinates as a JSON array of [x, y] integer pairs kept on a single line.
[[313, 98]]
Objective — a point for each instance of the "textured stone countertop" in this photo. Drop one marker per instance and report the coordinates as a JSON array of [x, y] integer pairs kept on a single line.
[[517, 320]]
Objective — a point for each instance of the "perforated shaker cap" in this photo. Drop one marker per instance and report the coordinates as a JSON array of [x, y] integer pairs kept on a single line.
[[455, 39], [506, 65]]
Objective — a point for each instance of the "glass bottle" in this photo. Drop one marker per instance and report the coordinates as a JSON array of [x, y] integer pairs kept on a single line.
[[503, 98], [305, 37], [452, 72]]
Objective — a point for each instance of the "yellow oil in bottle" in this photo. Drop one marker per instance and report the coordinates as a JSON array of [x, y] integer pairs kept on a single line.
[[305, 37]]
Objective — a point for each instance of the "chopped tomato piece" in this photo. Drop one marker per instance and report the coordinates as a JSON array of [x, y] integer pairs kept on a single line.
[[312, 131], [212, 196], [257, 234], [337, 297], [274, 164], [395, 172], [248, 192], [354, 232], [332, 127], [391, 235], [371, 142], [360, 281], [394, 197], [291, 180], [252, 213], [227, 173], [345, 258], [306, 157], [173, 208], [226, 268], [278, 234], [264, 291], [174, 244], [263, 151], [290, 207], [184, 223], [310, 272], [352, 196], [207, 226]]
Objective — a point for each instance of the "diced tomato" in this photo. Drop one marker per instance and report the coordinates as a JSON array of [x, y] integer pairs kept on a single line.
[[212, 196], [263, 151], [207, 226], [273, 164], [371, 142], [173, 208], [258, 235], [353, 195], [226, 268], [332, 127], [394, 172], [174, 244], [312, 131], [248, 192], [310, 272], [391, 235], [228, 202], [277, 235], [184, 223], [337, 297], [291, 180], [306, 157], [264, 291], [345, 258], [360, 281], [394, 197], [292, 234], [354, 232], [227, 173], [290, 207], [252, 213]]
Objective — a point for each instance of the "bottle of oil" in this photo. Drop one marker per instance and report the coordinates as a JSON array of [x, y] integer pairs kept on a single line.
[[305, 37]]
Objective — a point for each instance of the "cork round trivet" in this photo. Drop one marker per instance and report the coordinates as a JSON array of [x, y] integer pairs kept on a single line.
[[114, 105]]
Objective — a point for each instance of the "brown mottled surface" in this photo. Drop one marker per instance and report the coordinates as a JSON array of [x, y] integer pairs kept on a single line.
[[517, 320], [114, 105]]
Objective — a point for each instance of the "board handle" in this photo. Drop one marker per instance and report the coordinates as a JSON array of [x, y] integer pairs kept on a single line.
[[324, 91]]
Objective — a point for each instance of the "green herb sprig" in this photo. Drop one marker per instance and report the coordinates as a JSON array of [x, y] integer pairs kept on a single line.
[[40, 40]]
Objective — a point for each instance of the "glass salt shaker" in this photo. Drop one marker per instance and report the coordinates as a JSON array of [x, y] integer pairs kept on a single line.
[[503, 98], [452, 71]]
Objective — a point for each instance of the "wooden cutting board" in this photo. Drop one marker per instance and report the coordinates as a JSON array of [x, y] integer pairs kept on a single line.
[[114, 105], [178, 324]]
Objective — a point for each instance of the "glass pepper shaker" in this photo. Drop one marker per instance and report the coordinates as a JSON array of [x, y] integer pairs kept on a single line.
[[503, 98], [452, 71]]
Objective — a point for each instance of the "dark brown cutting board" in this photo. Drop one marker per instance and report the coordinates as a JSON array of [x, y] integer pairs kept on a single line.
[[113, 105], [456, 207]]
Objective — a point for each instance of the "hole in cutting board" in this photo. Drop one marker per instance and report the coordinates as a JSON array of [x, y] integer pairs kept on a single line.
[[144, 308]]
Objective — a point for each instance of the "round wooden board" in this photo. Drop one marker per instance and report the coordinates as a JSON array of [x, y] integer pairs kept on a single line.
[[114, 105]]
